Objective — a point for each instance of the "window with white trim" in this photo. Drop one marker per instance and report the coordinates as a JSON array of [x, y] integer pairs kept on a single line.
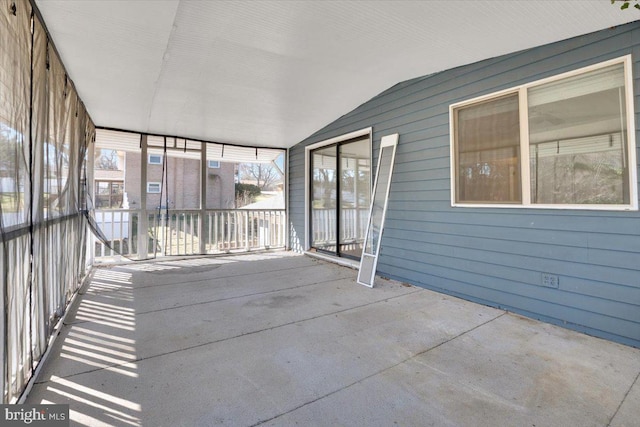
[[213, 164], [567, 141], [153, 187], [155, 159]]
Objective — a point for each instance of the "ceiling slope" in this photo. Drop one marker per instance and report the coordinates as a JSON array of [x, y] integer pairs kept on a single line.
[[270, 73]]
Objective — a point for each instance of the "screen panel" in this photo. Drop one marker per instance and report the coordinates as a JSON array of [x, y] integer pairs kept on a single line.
[[378, 210]]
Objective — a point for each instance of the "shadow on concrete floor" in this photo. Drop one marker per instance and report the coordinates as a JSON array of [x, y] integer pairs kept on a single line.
[[284, 339]]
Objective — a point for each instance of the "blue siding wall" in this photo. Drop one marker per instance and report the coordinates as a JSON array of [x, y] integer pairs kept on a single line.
[[490, 255]]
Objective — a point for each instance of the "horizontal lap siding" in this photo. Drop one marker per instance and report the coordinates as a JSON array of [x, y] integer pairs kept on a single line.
[[497, 256], [296, 176]]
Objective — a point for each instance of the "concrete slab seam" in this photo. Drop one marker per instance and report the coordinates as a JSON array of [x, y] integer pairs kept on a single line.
[[242, 296], [623, 399], [231, 276], [222, 299], [274, 253], [379, 372], [235, 336]]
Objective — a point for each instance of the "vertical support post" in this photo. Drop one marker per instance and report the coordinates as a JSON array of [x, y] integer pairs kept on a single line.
[[356, 174], [143, 218], [3, 320], [90, 187], [164, 225], [286, 239], [203, 199], [232, 226]]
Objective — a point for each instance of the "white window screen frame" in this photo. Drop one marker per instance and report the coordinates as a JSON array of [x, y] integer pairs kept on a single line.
[[154, 156], [151, 185], [213, 164], [375, 223], [522, 91]]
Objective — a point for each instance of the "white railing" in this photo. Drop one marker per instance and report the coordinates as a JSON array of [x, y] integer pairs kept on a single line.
[[117, 227], [353, 225], [187, 232], [242, 229]]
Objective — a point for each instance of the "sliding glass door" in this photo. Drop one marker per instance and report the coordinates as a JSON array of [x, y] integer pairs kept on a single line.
[[340, 196]]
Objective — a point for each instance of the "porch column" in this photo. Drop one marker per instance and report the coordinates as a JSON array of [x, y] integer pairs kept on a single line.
[[143, 218], [203, 199]]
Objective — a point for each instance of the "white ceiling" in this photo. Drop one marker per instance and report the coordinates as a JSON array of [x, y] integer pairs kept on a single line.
[[270, 73]]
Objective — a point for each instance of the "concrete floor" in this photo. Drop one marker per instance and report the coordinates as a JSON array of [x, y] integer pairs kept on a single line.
[[279, 339]]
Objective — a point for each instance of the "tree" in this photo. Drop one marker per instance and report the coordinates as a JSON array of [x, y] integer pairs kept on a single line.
[[624, 4], [264, 175], [107, 160], [246, 194], [10, 151]]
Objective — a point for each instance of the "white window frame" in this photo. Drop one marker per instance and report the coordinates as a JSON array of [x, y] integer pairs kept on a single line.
[[522, 91], [154, 184], [159, 156], [213, 164], [307, 165]]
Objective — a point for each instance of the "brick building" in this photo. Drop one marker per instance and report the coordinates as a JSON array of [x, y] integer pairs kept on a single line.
[[117, 182]]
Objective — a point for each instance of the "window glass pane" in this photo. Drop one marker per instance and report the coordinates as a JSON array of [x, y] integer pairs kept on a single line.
[[155, 159], [102, 199], [577, 132], [102, 188], [323, 198], [153, 187], [355, 195], [488, 152], [109, 195], [117, 188]]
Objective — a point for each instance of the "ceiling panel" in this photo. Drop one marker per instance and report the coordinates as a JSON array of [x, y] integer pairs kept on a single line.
[[270, 73]]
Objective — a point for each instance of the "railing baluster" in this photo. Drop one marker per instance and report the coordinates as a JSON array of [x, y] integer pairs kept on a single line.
[[155, 232], [235, 226], [193, 228], [207, 233], [111, 252], [268, 221], [183, 235], [214, 238], [121, 235]]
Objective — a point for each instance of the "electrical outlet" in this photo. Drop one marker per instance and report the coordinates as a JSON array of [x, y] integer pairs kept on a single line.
[[550, 280]]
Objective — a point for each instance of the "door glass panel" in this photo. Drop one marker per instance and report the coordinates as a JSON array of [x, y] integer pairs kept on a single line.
[[355, 195], [324, 199]]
